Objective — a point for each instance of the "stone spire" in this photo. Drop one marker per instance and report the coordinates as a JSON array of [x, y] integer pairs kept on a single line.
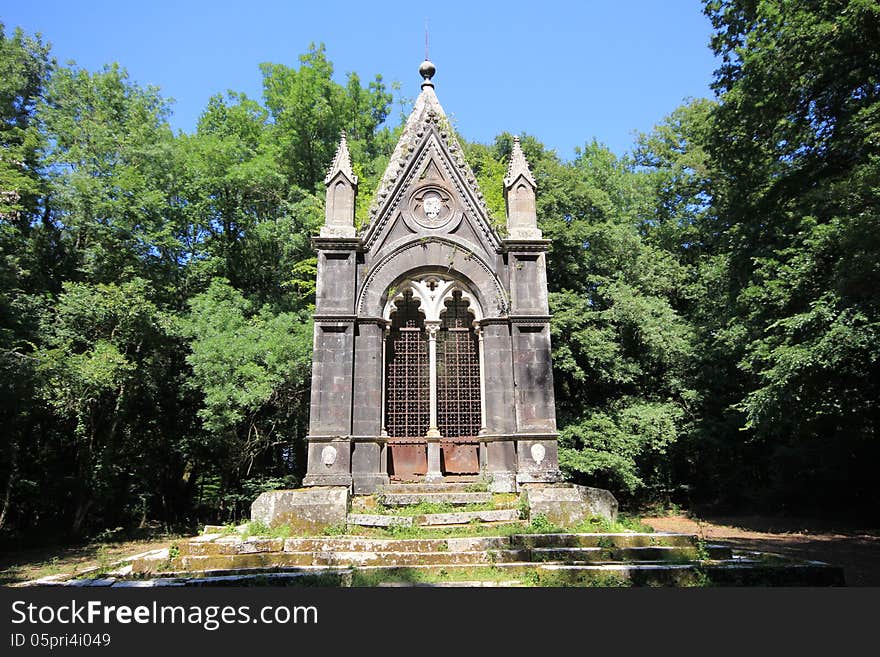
[[341, 186], [341, 162], [519, 195], [518, 166]]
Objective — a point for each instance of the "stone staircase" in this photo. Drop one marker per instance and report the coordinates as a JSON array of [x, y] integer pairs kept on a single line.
[[457, 494], [399, 538], [562, 559]]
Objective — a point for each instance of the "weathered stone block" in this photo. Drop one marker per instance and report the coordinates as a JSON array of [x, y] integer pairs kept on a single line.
[[567, 505], [465, 517], [304, 509], [376, 520]]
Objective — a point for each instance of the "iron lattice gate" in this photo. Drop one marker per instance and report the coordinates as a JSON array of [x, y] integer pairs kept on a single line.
[[458, 389], [408, 410], [407, 395]]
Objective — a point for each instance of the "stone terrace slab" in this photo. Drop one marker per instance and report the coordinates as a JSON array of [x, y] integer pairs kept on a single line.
[[447, 487], [604, 540], [464, 517], [407, 499], [378, 520]]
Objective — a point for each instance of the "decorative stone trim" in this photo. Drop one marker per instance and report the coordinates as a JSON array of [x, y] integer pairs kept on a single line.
[[445, 240], [433, 291], [313, 438], [487, 321], [529, 319], [513, 245], [335, 318], [378, 321], [321, 243]]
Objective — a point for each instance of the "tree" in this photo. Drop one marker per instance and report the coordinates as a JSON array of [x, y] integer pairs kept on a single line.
[[796, 141], [26, 243], [252, 367]]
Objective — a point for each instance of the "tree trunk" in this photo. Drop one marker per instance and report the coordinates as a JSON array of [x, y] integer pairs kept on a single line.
[[10, 482]]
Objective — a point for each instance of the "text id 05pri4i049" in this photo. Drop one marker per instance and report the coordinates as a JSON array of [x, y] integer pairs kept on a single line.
[[61, 640]]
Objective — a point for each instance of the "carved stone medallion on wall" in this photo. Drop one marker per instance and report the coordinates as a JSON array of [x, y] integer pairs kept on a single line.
[[431, 206]]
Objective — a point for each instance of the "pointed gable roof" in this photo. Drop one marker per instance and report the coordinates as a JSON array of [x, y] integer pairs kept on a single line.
[[341, 163], [426, 128], [518, 166]]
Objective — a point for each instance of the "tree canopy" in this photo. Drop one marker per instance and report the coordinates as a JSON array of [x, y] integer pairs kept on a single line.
[[714, 291]]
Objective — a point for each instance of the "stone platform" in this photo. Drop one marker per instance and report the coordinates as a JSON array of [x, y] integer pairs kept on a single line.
[[317, 508], [448, 535], [516, 559]]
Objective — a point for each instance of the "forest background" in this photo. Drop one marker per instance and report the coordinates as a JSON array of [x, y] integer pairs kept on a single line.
[[714, 290]]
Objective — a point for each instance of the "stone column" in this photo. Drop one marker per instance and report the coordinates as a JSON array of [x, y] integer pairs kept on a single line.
[[479, 332], [432, 328], [434, 472], [498, 405], [331, 408], [386, 332], [331, 411], [367, 468], [536, 434]]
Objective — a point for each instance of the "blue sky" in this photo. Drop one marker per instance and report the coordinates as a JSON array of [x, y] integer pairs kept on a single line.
[[564, 72]]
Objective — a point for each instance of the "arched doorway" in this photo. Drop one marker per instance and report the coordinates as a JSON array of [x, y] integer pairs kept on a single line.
[[433, 392]]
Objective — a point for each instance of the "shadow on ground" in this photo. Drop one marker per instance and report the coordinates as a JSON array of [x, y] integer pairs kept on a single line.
[[31, 563], [857, 551]]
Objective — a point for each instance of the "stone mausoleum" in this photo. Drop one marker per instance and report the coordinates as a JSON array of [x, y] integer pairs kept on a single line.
[[432, 331]]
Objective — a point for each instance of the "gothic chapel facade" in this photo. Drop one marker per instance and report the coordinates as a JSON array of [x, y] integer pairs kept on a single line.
[[432, 332]]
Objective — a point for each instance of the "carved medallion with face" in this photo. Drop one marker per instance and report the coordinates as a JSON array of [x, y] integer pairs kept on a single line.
[[431, 206]]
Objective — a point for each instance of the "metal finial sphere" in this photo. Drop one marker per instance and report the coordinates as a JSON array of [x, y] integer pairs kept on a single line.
[[427, 70]]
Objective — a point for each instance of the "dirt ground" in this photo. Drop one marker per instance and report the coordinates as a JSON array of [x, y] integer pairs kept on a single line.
[[22, 565], [857, 551]]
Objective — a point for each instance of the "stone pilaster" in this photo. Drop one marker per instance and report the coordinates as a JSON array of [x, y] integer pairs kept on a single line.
[[330, 416], [500, 420], [368, 467]]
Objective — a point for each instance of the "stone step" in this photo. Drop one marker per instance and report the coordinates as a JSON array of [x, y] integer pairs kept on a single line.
[[489, 583], [617, 554], [340, 558], [379, 520], [466, 517], [603, 540], [454, 498], [406, 552], [230, 545], [446, 487], [355, 544], [218, 544], [718, 573]]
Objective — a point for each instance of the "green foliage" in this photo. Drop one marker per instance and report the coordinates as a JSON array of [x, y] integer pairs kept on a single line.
[[243, 359], [540, 525], [24, 67], [795, 143], [335, 530], [257, 528], [714, 293]]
